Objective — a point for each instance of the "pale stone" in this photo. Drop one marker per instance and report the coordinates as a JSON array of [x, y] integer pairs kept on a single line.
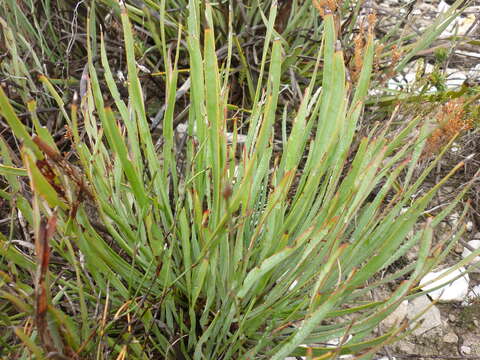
[[471, 340], [450, 338], [453, 290], [469, 226], [406, 347], [430, 319], [397, 315], [465, 350], [474, 244], [475, 292]]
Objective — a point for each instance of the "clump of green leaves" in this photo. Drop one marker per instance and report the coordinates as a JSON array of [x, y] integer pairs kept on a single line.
[[200, 251], [441, 55]]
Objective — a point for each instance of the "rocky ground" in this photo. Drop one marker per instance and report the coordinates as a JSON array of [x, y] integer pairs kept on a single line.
[[448, 325]]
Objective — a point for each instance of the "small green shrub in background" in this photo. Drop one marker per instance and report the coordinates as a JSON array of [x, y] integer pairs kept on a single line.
[[213, 248]]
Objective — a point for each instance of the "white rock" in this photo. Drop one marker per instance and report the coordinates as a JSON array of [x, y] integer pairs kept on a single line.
[[474, 244], [469, 226], [460, 25], [387, 358], [475, 292], [465, 350], [465, 23], [455, 290], [406, 347], [401, 82], [455, 79], [443, 6], [396, 317], [430, 320]]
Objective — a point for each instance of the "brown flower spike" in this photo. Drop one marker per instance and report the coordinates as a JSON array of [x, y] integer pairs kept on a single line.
[[451, 121]]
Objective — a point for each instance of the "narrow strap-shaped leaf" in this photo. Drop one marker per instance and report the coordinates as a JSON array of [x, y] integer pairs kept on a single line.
[[116, 140], [6, 110], [268, 264]]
